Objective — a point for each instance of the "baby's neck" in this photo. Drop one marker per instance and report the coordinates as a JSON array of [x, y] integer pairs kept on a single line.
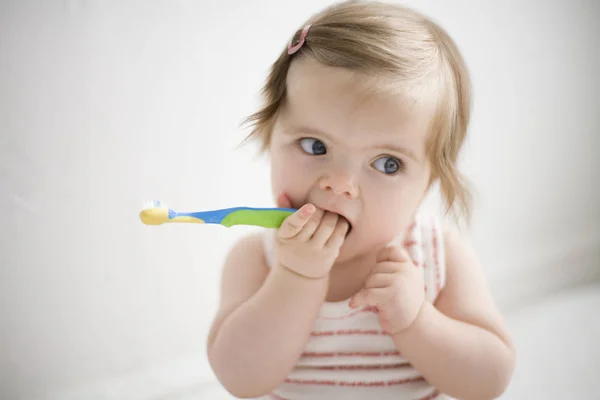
[[347, 278]]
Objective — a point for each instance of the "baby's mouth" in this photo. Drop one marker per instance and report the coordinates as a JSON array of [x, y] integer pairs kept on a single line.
[[346, 219]]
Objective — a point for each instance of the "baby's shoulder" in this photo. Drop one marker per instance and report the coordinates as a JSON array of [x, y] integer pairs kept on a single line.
[[245, 266], [427, 232], [248, 249], [428, 221]]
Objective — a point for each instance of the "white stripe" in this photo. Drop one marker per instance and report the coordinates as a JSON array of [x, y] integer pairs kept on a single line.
[[404, 372]]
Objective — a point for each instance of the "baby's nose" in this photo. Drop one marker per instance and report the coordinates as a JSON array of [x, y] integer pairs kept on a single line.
[[340, 183]]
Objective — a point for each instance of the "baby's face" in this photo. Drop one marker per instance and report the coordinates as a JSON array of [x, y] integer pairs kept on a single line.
[[361, 156]]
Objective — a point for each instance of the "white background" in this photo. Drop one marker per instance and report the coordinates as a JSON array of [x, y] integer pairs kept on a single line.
[[104, 104]]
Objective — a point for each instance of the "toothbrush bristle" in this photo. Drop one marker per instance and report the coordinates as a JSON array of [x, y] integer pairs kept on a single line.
[[153, 204]]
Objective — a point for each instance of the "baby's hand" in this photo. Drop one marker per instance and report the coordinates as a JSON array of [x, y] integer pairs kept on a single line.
[[309, 241], [395, 287]]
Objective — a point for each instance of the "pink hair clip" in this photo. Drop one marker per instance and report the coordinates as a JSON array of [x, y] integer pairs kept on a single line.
[[292, 49]]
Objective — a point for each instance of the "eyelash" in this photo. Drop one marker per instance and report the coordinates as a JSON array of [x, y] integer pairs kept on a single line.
[[400, 162]]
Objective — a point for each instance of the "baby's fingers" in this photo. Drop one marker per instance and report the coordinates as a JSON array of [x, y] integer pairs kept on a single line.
[[393, 253], [295, 222], [372, 297], [336, 240]]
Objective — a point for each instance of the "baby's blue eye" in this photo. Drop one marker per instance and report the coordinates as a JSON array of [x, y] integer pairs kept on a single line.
[[313, 146], [388, 165]]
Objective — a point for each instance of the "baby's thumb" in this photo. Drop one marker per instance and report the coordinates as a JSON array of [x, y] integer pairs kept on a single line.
[[295, 222], [393, 252]]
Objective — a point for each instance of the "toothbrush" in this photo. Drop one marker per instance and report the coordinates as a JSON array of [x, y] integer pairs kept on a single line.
[[157, 213]]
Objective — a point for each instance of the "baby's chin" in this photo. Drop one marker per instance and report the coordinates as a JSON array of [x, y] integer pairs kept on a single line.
[[356, 248], [361, 240]]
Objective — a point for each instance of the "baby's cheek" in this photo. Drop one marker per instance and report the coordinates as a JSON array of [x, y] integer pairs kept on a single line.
[[383, 226]]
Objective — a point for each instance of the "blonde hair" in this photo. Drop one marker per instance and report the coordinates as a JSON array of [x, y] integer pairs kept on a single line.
[[402, 45]]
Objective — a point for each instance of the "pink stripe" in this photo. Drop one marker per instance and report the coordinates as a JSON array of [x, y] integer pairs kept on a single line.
[[351, 332], [277, 397], [355, 367], [351, 354], [317, 382], [410, 243]]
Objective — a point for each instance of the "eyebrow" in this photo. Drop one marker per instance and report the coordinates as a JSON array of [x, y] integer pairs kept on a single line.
[[296, 131]]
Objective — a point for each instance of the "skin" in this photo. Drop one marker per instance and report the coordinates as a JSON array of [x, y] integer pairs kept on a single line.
[[349, 157]]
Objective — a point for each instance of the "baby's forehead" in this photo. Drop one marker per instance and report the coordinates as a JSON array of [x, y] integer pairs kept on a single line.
[[336, 99]]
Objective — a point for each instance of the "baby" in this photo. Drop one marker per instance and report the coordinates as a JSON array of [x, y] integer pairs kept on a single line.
[[361, 293]]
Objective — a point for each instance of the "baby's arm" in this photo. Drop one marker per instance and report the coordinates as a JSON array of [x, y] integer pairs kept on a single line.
[[460, 345], [264, 320]]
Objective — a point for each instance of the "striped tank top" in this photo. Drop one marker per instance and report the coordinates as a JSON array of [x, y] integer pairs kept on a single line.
[[348, 355]]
